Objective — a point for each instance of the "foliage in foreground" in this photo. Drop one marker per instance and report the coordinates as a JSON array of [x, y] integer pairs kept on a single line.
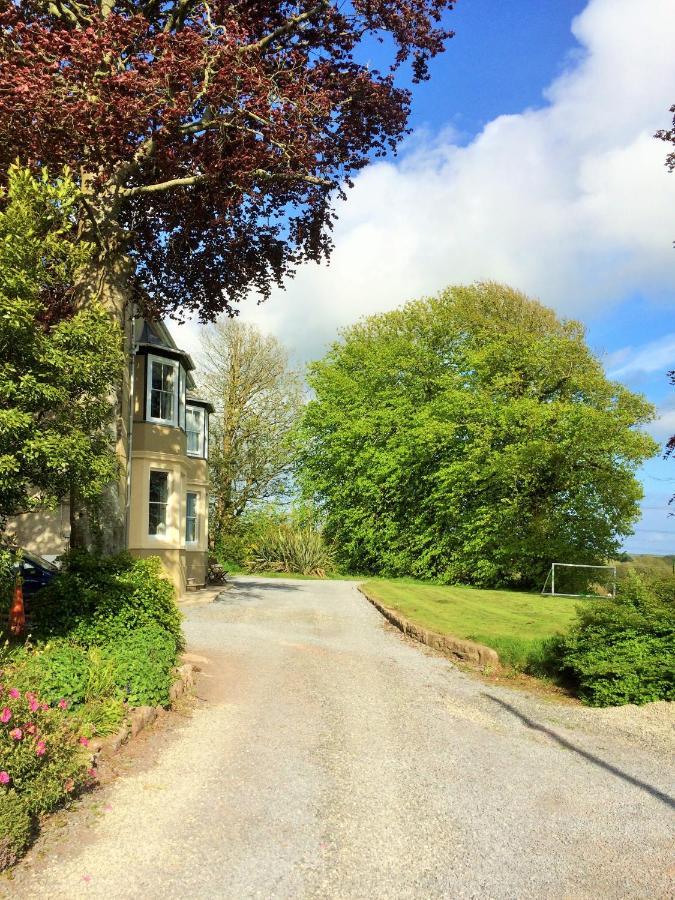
[[623, 650], [58, 364], [107, 633], [471, 438], [43, 761]]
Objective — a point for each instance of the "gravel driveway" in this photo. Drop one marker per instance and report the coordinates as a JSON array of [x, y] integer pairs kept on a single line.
[[332, 758]]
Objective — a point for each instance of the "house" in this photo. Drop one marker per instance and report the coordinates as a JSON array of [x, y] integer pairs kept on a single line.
[[163, 447]]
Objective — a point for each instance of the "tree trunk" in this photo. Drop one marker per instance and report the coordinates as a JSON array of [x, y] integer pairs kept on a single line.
[[108, 280]]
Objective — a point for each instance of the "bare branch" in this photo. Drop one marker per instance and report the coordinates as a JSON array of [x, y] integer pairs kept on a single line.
[[289, 26], [188, 181]]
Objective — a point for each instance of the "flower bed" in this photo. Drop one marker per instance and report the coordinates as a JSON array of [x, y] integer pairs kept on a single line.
[[105, 638], [43, 761]]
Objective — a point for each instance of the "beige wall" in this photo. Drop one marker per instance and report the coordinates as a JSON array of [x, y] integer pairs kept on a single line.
[[162, 448], [45, 531]]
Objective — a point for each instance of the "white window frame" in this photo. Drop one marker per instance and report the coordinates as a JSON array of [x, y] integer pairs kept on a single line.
[[200, 452], [160, 536], [175, 365], [181, 398], [196, 517]]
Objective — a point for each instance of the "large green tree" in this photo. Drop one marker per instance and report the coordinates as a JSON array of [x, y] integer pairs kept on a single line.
[[472, 437], [257, 399], [58, 365]]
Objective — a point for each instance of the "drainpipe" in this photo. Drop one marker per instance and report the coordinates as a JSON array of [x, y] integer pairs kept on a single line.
[[130, 424]]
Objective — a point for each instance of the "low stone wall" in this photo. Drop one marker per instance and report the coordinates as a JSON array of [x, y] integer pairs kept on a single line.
[[455, 648]]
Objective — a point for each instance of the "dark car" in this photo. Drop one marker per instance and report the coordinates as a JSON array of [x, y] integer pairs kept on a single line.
[[35, 572]]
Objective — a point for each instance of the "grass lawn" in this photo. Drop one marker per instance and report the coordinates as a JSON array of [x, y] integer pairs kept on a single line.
[[512, 623]]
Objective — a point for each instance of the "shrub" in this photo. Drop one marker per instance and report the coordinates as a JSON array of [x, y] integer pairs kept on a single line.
[[15, 827], [43, 763], [290, 549], [98, 600], [58, 670], [143, 662], [623, 650]]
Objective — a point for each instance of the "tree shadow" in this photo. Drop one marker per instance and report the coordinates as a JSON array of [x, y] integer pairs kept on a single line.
[[596, 760], [248, 586]]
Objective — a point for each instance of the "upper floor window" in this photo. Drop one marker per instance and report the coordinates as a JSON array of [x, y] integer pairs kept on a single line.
[[195, 421], [162, 390]]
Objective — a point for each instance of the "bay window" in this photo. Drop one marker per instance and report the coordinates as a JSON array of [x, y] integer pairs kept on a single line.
[[158, 500], [163, 390]]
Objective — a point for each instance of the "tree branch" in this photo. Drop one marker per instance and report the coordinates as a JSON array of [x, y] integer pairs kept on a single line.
[[188, 181], [289, 26]]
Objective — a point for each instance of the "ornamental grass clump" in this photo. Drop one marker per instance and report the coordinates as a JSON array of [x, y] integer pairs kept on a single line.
[[43, 763], [286, 548]]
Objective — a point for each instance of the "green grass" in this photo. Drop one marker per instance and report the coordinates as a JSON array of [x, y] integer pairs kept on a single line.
[[514, 624]]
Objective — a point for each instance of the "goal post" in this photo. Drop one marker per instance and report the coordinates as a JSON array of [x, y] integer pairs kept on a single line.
[[579, 580]]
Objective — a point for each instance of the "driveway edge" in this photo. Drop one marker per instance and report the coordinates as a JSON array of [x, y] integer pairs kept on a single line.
[[447, 644]]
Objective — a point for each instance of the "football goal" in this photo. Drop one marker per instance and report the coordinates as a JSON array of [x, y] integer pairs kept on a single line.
[[577, 580]]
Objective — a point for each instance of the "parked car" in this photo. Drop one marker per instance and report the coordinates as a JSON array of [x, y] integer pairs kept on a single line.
[[35, 572]]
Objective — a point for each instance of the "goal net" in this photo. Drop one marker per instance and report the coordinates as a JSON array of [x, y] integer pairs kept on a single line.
[[576, 580]]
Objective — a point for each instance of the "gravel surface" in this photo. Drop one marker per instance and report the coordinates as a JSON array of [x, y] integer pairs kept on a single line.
[[333, 758]]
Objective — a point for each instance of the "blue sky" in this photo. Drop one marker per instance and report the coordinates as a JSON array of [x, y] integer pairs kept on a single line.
[[531, 162]]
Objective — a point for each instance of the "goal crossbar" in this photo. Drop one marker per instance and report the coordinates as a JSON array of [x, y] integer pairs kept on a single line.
[[551, 577]]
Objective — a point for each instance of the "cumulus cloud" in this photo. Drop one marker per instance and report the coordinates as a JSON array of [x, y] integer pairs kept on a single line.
[[570, 202]]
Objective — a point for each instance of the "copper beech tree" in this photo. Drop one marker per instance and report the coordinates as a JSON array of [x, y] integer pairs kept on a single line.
[[210, 139]]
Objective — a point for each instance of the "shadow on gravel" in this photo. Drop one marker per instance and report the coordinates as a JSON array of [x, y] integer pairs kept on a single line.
[[535, 726], [247, 586]]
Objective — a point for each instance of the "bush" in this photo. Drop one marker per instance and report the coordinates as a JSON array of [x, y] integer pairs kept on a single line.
[[98, 600], [291, 549], [143, 662], [43, 762], [623, 650], [15, 827]]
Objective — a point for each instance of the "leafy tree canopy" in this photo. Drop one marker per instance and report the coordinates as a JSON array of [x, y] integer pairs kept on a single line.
[[55, 376], [210, 139], [472, 437]]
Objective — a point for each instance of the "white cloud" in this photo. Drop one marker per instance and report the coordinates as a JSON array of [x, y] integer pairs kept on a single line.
[[570, 202], [656, 356]]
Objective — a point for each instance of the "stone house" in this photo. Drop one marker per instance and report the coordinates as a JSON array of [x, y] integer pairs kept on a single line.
[[163, 447]]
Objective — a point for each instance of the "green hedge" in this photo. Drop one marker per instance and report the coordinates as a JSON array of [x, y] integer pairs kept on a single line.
[[98, 600], [623, 650]]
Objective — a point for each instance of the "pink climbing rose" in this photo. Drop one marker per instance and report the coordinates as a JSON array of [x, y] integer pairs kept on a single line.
[[14, 693], [5, 715], [4, 778], [63, 704], [40, 748], [84, 741], [16, 734]]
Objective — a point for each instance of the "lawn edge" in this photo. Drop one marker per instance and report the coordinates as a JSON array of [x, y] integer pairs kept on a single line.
[[447, 644]]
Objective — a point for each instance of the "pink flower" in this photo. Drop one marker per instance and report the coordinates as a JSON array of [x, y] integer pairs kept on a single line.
[[40, 748], [14, 693], [33, 705], [69, 784], [4, 778], [16, 734], [5, 715], [44, 706], [63, 704], [84, 741], [92, 773], [30, 728]]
